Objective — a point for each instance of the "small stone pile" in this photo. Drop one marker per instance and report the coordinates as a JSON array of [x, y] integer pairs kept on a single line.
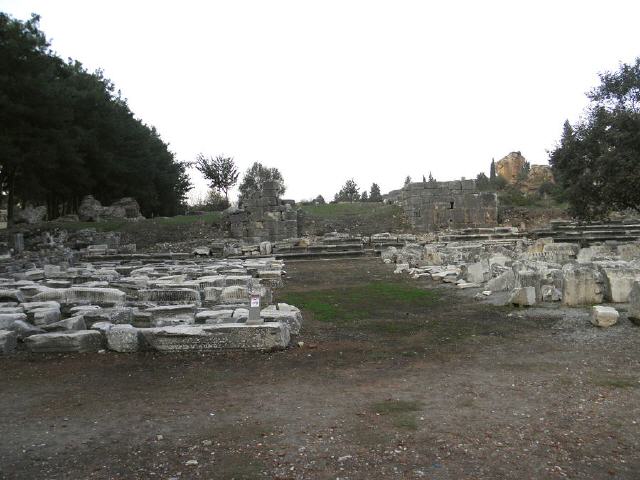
[[533, 272], [131, 306]]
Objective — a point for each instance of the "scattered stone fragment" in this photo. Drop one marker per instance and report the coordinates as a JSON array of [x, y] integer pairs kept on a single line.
[[602, 316], [8, 342], [523, 296], [123, 338]]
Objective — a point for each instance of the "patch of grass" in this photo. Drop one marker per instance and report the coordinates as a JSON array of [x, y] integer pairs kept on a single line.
[[388, 407], [615, 382], [350, 305], [128, 225], [401, 413]]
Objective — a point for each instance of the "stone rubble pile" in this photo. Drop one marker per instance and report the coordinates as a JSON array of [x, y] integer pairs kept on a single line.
[[131, 306], [532, 271]]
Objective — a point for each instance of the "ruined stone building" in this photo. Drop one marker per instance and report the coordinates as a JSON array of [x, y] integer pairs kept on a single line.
[[265, 217], [432, 206]]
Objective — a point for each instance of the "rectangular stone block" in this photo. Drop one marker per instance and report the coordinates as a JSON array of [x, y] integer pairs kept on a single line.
[[230, 336], [66, 342]]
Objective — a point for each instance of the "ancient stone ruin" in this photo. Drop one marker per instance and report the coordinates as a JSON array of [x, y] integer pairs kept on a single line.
[[130, 305], [432, 206], [264, 217], [603, 268]]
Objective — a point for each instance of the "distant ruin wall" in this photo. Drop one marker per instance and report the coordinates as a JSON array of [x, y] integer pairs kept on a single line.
[[432, 206], [265, 217]]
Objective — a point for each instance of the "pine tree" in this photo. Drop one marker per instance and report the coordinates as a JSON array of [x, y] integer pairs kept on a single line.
[[375, 195]]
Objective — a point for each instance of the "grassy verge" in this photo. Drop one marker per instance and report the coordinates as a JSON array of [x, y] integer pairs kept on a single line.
[[401, 413], [346, 305], [128, 225]]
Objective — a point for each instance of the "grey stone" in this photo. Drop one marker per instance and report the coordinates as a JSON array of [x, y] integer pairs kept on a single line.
[[66, 342], [172, 315], [44, 316], [618, 280], [123, 338], [523, 296], [8, 319], [602, 316], [73, 323], [231, 336], [634, 303], [102, 327], [11, 296], [582, 285], [284, 313], [550, 293], [8, 342], [24, 329], [504, 282]]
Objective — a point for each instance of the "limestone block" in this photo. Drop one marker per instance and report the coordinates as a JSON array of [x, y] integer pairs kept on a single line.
[[96, 296], [73, 323], [211, 281], [226, 336], [618, 280], [66, 342], [477, 272], [11, 296], [123, 338], [634, 303], [530, 278], [8, 342], [170, 296], [582, 285], [504, 282], [212, 295], [44, 316], [241, 280], [102, 327], [602, 316], [523, 296], [8, 319], [234, 294], [550, 293], [29, 306], [116, 315], [172, 315], [265, 248], [214, 316], [284, 313], [24, 329]]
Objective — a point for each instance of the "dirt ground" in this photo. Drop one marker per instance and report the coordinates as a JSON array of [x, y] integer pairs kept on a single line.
[[470, 391]]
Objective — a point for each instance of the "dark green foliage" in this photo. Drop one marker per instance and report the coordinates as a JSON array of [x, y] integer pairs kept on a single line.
[[492, 169], [482, 182], [319, 200], [374, 195], [364, 197], [485, 184], [255, 177], [348, 192], [66, 133], [597, 162], [215, 202], [220, 171]]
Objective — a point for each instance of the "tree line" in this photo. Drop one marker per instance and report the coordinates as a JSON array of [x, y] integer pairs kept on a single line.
[[66, 133]]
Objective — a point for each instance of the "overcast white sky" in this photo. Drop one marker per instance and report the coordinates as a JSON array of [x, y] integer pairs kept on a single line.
[[329, 90]]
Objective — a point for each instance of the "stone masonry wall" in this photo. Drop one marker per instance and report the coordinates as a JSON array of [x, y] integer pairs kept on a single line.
[[265, 217], [434, 206]]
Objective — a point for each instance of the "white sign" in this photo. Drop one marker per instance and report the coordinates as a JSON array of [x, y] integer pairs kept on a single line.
[[255, 301]]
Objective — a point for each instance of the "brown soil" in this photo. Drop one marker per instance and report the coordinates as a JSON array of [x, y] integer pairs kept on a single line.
[[477, 392]]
